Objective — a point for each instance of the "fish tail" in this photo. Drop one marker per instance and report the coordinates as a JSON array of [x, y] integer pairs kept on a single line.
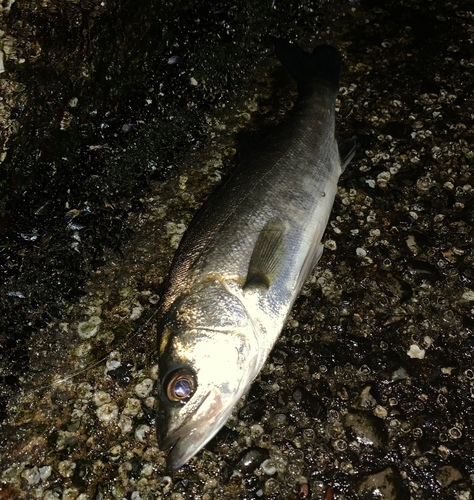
[[325, 63]]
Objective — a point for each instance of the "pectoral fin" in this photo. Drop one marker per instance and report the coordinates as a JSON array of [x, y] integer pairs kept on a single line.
[[268, 255]]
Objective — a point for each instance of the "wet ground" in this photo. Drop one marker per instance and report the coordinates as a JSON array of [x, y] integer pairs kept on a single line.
[[120, 118]]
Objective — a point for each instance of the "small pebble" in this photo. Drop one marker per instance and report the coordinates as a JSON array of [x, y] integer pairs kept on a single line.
[[70, 494], [84, 391], [45, 472], [147, 470], [112, 364], [150, 402], [136, 312], [142, 431], [468, 295], [330, 245], [447, 475], [83, 350], [66, 468], [32, 476], [269, 467], [101, 398], [144, 388], [88, 329], [386, 484], [132, 407], [115, 450], [174, 60], [107, 413], [416, 352], [125, 423], [251, 459], [50, 495]]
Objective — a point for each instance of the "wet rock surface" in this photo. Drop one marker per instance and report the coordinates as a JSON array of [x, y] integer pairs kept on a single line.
[[120, 119]]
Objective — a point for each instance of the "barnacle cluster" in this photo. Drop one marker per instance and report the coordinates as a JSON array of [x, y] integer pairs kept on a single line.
[[369, 390]]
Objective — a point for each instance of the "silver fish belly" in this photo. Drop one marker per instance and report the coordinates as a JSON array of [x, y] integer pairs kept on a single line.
[[244, 259]]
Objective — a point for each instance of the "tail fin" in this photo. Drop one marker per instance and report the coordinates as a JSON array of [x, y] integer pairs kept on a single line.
[[325, 63]]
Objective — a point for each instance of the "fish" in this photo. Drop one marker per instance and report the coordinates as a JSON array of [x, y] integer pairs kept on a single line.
[[243, 260]]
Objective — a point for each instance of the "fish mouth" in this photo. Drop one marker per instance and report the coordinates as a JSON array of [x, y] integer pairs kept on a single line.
[[196, 432]]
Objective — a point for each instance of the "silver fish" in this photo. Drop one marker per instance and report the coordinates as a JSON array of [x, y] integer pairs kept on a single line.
[[244, 259]]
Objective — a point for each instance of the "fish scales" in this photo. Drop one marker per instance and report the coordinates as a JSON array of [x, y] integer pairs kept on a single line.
[[289, 181], [242, 261]]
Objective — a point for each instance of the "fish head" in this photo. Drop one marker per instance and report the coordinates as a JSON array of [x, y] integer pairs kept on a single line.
[[208, 355]]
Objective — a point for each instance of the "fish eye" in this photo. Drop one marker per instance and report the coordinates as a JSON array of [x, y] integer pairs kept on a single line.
[[180, 386]]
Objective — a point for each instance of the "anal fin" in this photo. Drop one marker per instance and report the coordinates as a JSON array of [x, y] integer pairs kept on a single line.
[[317, 255], [311, 260], [347, 151]]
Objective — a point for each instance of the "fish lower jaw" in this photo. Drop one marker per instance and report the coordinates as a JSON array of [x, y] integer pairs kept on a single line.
[[195, 432], [189, 439]]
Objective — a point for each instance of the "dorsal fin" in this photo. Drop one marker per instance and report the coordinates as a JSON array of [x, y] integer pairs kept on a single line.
[[268, 255]]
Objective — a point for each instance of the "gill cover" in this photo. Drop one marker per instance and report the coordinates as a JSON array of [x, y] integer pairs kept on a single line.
[[207, 344]]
